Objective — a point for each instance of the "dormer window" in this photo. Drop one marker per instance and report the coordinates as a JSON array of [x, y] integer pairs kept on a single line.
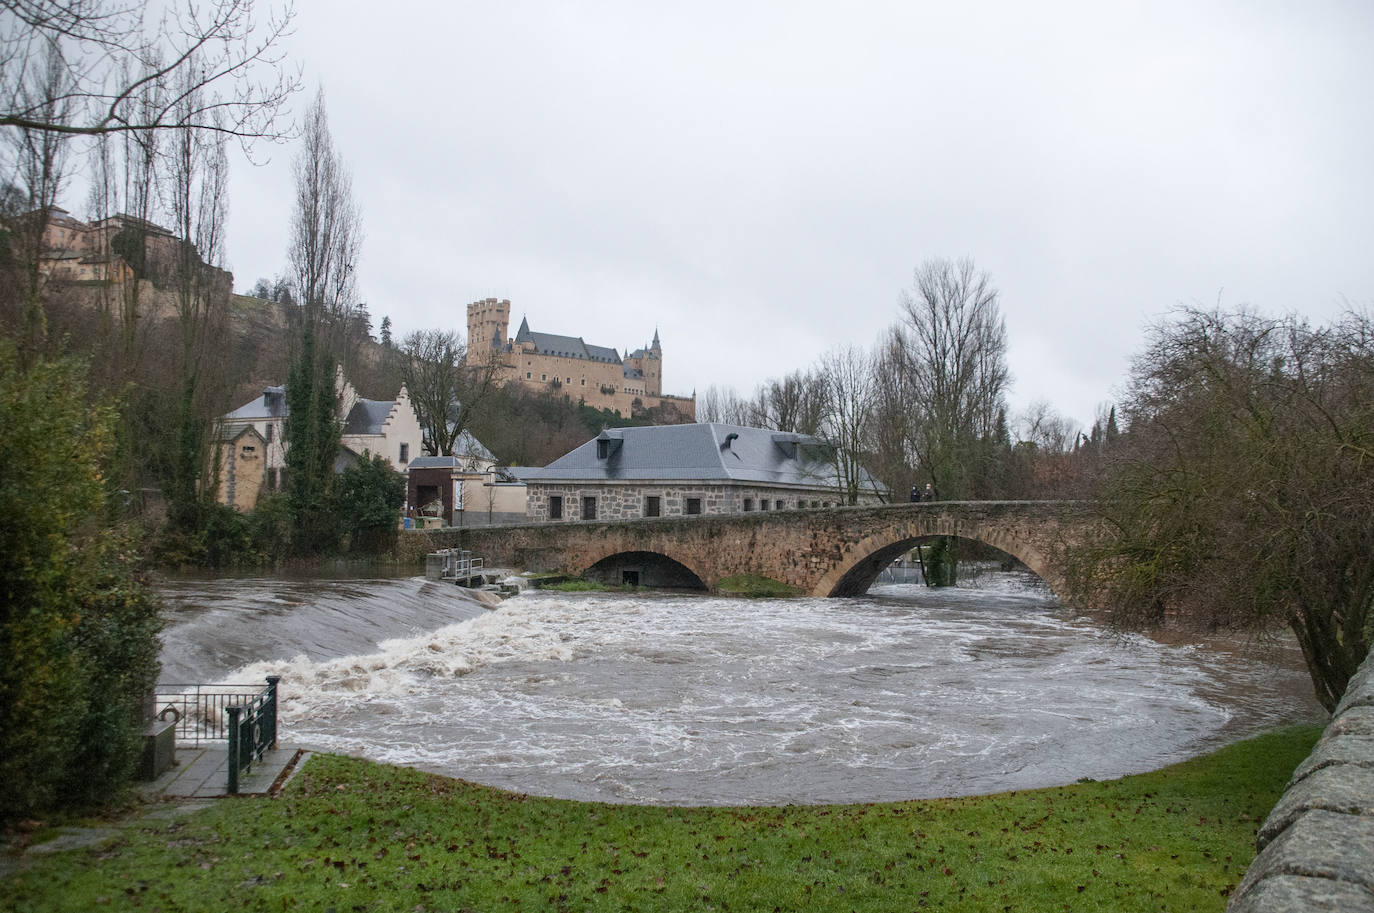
[[607, 445]]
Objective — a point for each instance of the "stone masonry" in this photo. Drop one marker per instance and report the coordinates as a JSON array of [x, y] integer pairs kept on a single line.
[[628, 501], [1316, 848], [834, 552]]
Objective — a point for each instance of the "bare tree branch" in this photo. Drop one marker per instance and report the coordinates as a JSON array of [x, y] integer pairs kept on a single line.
[[223, 59]]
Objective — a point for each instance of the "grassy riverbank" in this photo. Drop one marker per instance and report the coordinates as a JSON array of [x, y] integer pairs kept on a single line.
[[352, 835]]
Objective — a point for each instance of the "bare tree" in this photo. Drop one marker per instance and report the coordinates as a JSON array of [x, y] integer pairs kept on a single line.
[[796, 402], [1049, 431], [198, 171], [724, 405], [221, 51], [447, 393], [38, 159], [848, 375], [1240, 494], [953, 345], [326, 224]]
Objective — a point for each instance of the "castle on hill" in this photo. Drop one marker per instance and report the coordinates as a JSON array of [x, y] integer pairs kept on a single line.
[[545, 362]]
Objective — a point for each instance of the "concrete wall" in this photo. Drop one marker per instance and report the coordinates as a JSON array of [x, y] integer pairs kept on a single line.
[[1317, 845]]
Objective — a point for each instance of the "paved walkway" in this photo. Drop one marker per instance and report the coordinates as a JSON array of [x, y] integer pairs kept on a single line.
[[203, 773], [199, 775]]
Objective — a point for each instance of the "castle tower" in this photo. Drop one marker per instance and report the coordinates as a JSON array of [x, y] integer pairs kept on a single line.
[[488, 321], [653, 368]]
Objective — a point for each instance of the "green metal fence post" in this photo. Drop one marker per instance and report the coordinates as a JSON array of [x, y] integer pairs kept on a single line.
[[271, 715], [234, 749]]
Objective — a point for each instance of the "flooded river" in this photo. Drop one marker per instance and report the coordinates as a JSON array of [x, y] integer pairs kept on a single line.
[[675, 699]]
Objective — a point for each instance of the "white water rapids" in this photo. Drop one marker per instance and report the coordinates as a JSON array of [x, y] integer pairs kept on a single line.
[[670, 699]]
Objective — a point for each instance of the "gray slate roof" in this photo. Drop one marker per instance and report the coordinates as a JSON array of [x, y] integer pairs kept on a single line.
[[368, 416], [702, 452], [565, 346], [272, 404]]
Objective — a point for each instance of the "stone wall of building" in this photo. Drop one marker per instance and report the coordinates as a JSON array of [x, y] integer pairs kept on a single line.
[[629, 501], [1317, 845]]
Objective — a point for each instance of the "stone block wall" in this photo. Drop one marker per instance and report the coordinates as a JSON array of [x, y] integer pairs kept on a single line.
[[627, 501], [1317, 845]]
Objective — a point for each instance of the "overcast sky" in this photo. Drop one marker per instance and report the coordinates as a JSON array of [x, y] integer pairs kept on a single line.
[[759, 180]]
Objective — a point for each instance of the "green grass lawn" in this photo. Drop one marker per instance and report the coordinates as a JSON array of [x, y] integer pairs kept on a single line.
[[350, 835]]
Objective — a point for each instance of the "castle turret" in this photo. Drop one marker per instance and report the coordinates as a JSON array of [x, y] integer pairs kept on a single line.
[[487, 319]]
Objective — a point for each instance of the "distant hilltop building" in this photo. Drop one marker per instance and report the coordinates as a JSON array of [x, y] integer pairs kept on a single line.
[[595, 375]]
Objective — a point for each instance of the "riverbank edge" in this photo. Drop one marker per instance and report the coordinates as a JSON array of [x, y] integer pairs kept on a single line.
[[1121, 844], [1316, 848]]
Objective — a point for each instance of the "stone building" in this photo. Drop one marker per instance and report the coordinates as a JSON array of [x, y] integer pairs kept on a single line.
[[386, 428], [593, 374], [242, 461], [683, 470]]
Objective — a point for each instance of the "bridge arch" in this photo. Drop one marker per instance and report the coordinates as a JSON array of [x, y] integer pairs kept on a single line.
[[861, 562], [641, 567]]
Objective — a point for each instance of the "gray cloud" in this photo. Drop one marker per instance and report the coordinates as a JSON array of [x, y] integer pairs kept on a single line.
[[758, 180]]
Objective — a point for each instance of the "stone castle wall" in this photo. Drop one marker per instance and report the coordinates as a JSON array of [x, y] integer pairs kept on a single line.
[[602, 385]]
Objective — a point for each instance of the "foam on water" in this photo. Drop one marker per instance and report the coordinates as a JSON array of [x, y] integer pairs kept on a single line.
[[672, 699]]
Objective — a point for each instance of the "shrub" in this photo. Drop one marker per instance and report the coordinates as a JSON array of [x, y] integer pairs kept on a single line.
[[78, 629]]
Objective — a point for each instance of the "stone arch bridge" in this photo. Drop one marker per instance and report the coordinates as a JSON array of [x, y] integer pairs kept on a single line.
[[829, 552]]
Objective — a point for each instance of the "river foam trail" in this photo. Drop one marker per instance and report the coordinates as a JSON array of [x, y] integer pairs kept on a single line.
[[650, 698]]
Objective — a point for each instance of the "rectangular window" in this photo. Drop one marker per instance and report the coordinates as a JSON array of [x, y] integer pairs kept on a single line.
[[652, 506], [778, 505], [588, 507], [748, 505], [528, 375], [555, 507], [269, 432], [763, 503], [694, 505], [405, 454], [271, 480]]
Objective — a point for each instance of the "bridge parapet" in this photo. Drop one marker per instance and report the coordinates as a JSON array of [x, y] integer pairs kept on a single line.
[[824, 552]]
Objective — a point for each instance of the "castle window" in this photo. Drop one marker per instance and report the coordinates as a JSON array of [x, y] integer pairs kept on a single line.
[[527, 375], [272, 479], [543, 377], [555, 507], [589, 507], [269, 432], [694, 505], [763, 503], [778, 505], [584, 381], [652, 506], [748, 505], [405, 454]]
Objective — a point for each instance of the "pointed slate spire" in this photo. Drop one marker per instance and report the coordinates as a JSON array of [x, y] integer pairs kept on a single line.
[[524, 334], [656, 345]]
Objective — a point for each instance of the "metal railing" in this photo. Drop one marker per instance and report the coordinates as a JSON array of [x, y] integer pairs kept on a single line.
[[452, 564], [242, 716]]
